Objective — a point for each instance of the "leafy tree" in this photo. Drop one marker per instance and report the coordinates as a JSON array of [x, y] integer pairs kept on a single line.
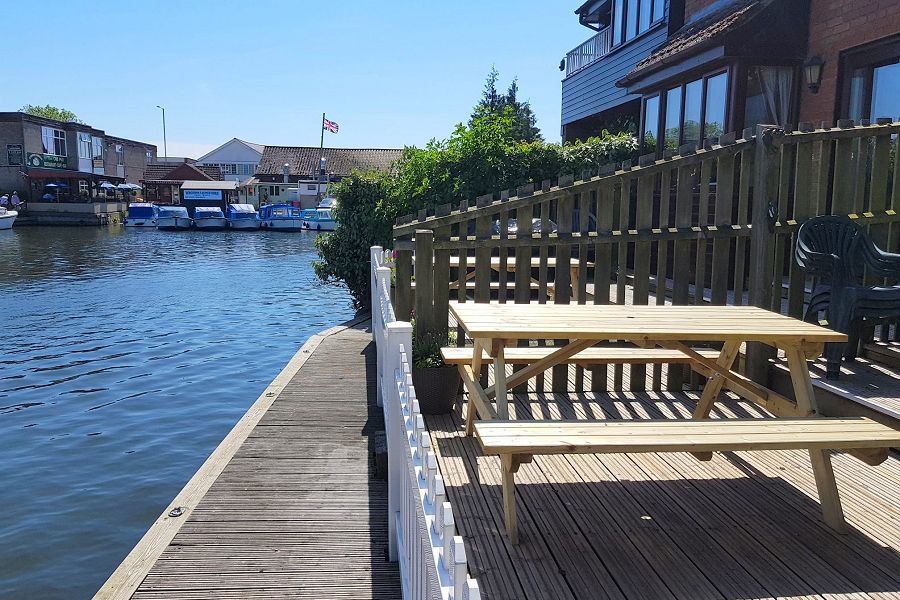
[[51, 112], [494, 104]]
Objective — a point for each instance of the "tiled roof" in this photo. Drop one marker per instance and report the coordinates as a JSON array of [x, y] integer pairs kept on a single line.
[[304, 160], [164, 172], [699, 34]]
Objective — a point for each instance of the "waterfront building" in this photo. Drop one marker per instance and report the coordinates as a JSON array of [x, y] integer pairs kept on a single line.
[[306, 177], [162, 181], [237, 159], [689, 71], [76, 157], [219, 194]]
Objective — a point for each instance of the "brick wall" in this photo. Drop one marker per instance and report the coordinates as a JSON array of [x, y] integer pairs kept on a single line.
[[836, 25]]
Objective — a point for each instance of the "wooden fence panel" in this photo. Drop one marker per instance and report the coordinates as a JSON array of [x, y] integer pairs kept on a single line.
[[643, 219], [603, 267], [722, 219]]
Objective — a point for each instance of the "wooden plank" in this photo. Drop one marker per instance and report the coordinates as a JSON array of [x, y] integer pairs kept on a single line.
[[643, 219], [463, 259], [723, 218], [781, 240], [603, 267], [624, 213], [681, 263], [741, 244], [562, 280], [702, 220], [441, 285], [594, 355], [403, 300], [425, 318], [482, 255], [503, 257], [803, 179]]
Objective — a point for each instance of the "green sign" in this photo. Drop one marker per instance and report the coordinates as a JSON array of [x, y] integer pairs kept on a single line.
[[47, 160]]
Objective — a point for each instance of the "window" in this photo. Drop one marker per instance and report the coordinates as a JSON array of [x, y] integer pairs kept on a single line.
[[768, 95], [84, 146], [690, 113], [54, 141], [97, 144], [311, 187], [631, 18], [120, 154], [672, 132], [651, 125], [274, 190], [871, 87], [149, 155]]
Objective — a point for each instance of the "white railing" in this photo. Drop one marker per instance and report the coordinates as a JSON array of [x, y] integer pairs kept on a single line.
[[421, 527], [593, 49]]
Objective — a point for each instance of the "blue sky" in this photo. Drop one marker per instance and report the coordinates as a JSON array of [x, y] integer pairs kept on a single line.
[[390, 73]]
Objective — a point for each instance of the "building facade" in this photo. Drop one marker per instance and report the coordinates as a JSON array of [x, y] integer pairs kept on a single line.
[[236, 159], [307, 172], [733, 64], [74, 157], [162, 181]]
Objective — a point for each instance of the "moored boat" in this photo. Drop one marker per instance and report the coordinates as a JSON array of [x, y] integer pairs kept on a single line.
[[280, 217], [320, 218], [242, 216], [173, 218], [209, 218], [141, 214], [7, 218]]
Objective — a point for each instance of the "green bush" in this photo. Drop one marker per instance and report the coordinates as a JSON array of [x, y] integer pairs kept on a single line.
[[481, 158]]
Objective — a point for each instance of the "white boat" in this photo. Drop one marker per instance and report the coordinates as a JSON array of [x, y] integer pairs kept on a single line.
[[141, 214], [173, 218], [280, 217], [242, 216], [7, 218], [320, 218], [209, 218]]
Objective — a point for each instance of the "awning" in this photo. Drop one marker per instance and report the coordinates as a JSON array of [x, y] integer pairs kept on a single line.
[[44, 173]]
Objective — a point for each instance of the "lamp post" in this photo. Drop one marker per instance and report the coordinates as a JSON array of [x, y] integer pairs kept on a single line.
[[165, 147]]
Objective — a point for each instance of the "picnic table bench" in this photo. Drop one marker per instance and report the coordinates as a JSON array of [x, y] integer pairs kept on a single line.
[[663, 333]]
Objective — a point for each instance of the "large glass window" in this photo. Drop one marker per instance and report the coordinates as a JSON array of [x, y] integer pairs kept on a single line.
[[716, 96], [693, 103], [120, 154], [769, 91], [650, 137], [84, 146], [631, 18], [54, 141], [672, 131], [97, 145], [886, 91], [871, 78]]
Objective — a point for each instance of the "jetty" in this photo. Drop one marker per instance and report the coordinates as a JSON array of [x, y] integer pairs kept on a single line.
[[289, 504]]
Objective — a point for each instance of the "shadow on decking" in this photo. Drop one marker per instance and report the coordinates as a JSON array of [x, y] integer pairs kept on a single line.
[[744, 525]]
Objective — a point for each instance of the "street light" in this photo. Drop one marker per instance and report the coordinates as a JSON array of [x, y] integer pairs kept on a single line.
[[165, 147]]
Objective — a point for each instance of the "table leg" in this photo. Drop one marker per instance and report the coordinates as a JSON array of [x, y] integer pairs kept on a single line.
[[476, 374], [826, 485], [500, 382], [713, 387]]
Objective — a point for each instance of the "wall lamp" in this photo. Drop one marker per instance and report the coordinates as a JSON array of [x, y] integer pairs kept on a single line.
[[812, 73]]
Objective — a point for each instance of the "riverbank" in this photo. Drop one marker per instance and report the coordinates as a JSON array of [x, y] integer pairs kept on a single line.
[[288, 504]]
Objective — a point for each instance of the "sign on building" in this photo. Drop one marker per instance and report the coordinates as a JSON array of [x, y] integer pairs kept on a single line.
[[14, 154], [201, 194], [47, 160]]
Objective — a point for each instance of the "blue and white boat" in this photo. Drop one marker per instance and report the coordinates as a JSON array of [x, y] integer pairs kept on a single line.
[[242, 216], [141, 214], [173, 218], [320, 218], [209, 218], [280, 217]]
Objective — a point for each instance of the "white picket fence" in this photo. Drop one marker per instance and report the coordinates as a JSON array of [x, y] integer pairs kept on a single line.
[[422, 534]]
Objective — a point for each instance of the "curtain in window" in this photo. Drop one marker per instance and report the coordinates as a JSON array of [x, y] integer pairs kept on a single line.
[[776, 84]]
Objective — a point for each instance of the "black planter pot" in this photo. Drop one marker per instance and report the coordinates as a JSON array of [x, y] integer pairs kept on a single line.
[[436, 388]]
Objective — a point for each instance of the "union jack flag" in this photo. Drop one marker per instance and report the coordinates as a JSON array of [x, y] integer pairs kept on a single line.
[[330, 126]]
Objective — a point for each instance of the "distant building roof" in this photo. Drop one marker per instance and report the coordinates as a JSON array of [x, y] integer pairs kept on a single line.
[[209, 185], [713, 24], [178, 173], [304, 160], [256, 147]]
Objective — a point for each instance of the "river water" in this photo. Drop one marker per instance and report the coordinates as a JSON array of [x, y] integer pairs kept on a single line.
[[125, 357]]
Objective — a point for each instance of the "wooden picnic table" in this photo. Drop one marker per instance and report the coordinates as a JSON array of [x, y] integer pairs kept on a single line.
[[660, 330]]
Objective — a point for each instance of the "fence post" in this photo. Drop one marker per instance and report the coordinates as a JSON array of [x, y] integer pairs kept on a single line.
[[403, 291], [424, 270], [397, 334], [376, 254], [762, 239], [383, 283]]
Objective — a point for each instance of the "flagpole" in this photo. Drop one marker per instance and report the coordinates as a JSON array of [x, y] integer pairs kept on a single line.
[[319, 167]]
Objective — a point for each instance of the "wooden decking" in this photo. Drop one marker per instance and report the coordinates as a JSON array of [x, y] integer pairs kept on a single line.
[[745, 525], [296, 512]]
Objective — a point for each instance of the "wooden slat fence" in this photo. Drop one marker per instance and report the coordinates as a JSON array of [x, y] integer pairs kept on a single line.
[[675, 230]]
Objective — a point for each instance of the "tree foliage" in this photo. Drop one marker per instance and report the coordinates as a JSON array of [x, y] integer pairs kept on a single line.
[[51, 112], [494, 104]]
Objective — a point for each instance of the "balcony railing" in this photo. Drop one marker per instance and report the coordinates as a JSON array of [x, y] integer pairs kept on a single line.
[[590, 51]]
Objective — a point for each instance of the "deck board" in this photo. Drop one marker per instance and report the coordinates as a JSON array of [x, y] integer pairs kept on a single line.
[[297, 512], [744, 525]]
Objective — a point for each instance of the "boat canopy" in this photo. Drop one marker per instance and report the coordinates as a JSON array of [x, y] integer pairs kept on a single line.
[[173, 211], [142, 210], [282, 211], [201, 212], [241, 211]]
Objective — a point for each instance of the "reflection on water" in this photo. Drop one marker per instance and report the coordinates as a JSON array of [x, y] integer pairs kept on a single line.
[[125, 358]]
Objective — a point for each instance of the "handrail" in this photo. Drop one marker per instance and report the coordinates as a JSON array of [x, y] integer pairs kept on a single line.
[[421, 526], [589, 51]]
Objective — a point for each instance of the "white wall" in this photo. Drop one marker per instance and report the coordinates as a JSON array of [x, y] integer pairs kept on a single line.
[[236, 156]]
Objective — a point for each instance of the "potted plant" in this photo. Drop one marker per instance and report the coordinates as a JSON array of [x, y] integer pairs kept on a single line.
[[437, 384]]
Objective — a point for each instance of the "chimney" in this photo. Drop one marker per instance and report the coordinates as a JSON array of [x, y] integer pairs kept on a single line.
[[286, 169]]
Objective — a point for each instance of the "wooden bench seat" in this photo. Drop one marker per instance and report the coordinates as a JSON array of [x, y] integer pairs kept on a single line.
[[592, 356], [517, 441]]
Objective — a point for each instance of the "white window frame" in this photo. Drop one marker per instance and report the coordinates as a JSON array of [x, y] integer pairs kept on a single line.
[[54, 140]]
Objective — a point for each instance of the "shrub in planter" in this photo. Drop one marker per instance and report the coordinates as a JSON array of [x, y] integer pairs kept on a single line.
[[437, 384]]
